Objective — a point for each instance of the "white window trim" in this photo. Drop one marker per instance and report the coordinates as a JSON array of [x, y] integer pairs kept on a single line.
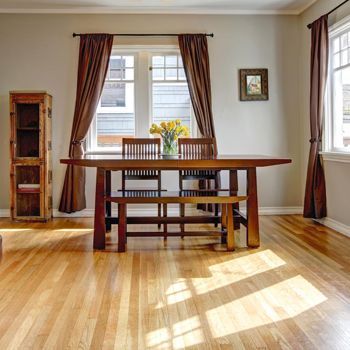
[[134, 50], [331, 153], [340, 157]]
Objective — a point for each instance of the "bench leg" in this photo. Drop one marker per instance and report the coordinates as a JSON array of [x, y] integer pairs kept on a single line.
[[230, 228], [165, 226], [121, 227], [182, 214]]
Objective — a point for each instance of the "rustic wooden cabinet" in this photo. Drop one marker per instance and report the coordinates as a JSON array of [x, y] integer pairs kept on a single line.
[[30, 148]]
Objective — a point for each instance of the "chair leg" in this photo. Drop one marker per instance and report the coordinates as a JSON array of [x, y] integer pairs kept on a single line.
[[159, 213], [122, 227], [224, 223], [216, 213], [230, 229], [108, 204], [182, 214], [165, 226]]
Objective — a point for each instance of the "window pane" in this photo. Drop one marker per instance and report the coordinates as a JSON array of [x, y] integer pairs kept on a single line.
[[180, 61], [336, 47], [182, 75], [118, 121], [116, 74], [129, 61], [158, 74], [129, 74], [171, 61], [344, 57], [344, 41], [158, 61], [171, 74], [171, 101], [113, 95], [115, 62], [336, 60], [341, 112]]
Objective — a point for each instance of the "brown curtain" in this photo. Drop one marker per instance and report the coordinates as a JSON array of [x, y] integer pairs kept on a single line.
[[315, 203], [195, 57], [94, 53]]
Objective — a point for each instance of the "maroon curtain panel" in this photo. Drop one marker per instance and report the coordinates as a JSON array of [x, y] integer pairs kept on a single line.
[[315, 203], [195, 57], [94, 53]]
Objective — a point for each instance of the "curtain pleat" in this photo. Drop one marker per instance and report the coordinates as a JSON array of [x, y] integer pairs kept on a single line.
[[94, 53]]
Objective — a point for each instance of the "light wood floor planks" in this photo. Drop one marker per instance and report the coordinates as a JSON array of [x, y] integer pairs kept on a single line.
[[56, 293]]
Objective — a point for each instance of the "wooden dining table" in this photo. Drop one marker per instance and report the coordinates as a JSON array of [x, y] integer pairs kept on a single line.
[[104, 164]]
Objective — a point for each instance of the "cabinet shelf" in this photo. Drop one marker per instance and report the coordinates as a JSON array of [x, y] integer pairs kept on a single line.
[[26, 190]]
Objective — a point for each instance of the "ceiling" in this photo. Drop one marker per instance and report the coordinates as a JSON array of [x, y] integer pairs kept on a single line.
[[156, 6]]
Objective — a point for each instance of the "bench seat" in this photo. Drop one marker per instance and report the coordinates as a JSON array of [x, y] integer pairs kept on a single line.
[[223, 197]]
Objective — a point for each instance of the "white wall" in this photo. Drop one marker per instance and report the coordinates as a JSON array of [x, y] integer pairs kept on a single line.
[[337, 174], [39, 53]]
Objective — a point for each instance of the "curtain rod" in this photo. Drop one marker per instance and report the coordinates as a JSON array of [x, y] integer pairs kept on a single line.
[[122, 34], [331, 11]]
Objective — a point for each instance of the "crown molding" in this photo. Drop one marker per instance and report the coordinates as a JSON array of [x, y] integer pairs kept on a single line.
[[145, 11]]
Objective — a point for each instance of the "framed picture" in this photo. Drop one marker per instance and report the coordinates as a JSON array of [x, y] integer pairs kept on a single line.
[[254, 85]]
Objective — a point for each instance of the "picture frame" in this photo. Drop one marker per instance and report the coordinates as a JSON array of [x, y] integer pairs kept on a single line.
[[254, 84]]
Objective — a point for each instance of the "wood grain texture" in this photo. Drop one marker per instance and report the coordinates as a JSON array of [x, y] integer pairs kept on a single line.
[[57, 293]]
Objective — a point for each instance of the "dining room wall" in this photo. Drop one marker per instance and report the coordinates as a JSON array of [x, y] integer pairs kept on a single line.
[[39, 53]]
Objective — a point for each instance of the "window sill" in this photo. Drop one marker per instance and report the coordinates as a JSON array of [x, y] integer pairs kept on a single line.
[[340, 157]]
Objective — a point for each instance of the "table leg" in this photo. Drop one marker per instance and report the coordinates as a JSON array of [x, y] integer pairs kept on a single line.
[[234, 189], [108, 204], [99, 223], [253, 239], [121, 227]]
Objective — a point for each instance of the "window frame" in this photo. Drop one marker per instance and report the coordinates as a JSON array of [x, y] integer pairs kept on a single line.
[[329, 150], [139, 52]]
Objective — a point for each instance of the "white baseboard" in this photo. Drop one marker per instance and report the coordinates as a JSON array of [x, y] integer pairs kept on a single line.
[[87, 213], [335, 225], [4, 213]]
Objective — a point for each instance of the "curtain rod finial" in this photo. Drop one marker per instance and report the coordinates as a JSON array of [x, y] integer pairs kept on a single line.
[[74, 35], [211, 35]]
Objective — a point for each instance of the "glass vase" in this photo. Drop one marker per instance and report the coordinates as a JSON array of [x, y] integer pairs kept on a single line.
[[170, 147]]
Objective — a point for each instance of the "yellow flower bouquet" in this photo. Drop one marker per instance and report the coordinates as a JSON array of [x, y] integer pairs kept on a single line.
[[170, 132]]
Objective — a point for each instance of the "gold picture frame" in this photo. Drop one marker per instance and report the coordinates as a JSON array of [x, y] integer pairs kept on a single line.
[[254, 84]]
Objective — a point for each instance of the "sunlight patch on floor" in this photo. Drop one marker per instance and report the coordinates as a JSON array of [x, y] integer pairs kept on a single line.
[[278, 302], [235, 270], [182, 334]]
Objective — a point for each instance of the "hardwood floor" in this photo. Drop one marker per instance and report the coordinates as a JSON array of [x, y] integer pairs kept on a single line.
[[291, 293]]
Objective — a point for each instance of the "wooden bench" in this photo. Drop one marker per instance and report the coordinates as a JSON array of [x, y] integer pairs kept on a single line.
[[123, 198]]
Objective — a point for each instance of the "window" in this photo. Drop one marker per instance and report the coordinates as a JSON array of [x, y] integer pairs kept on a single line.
[[337, 133], [143, 86], [170, 95]]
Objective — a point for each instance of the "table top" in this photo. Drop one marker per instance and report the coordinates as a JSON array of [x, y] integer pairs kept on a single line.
[[160, 162]]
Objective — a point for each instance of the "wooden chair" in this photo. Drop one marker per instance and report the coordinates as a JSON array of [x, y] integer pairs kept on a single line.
[[143, 148], [197, 148]]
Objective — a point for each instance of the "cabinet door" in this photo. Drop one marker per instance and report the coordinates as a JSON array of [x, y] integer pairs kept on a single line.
[[27, 187], [27, 130]]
